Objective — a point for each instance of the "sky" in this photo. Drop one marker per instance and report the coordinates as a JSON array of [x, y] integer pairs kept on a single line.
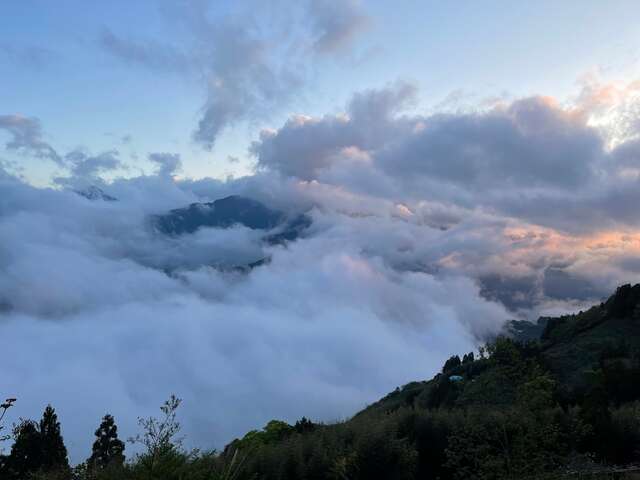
[[462, 163], [143, 71]]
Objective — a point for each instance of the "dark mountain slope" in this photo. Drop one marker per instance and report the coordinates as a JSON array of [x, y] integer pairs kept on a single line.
[[229, 211], [222, 213], [574, 345], [95, 193]]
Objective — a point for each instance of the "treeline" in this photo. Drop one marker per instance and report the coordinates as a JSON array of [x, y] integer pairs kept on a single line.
[[38, 452], [499, 416]]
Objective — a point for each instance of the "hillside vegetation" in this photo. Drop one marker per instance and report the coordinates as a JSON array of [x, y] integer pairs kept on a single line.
[[564, 405]]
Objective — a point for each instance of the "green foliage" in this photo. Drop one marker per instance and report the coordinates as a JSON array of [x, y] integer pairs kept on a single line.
[[163, 456], [272, 432]]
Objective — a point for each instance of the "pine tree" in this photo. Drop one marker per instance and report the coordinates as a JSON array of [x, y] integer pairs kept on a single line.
[[53, 450], [107, 449]]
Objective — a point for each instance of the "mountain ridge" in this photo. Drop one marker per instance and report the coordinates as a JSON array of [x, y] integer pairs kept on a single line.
[[229, 211]]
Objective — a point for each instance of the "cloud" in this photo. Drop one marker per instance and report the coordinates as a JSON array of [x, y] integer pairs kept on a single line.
[[85, 169], [248, 72], [529, 144], [27, 137], [531, 158], [328, 325], [336, 23], [524, 189], [360, 305], [615, 104], [85, 165], [150, 54], [168, 163], [305, 146], [245, 79], [34, 57]]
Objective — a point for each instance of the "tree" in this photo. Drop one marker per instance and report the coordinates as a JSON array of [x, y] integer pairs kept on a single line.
[[53, 450], [108, 449], [452, 363], [38, 447], [304, 425], [26, 451], [163, 448]]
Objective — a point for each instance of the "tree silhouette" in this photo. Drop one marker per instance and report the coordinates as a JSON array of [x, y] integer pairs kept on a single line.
[[107, 449], [159, 438], [6, 405], [53, 449], [26, 452]]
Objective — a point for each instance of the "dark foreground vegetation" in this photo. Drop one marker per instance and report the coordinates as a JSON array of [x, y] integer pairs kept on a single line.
[[566, 405]]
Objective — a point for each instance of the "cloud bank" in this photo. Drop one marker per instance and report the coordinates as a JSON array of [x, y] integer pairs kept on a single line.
[[429, 231], [105, 313]]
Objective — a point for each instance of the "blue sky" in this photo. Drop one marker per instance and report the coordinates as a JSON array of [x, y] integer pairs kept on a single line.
[[55, 66]]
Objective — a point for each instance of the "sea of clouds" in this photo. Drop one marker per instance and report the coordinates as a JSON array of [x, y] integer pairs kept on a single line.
[[429, 232]]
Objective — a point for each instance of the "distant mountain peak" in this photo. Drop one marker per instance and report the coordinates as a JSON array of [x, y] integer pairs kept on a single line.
[[229, 211], [95, 193]]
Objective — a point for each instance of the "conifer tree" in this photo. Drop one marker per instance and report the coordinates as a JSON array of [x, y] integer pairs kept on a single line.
[[53, 450], [108, 448]]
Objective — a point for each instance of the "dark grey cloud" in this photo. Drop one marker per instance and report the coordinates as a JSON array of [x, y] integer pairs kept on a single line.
[[530, 158], [515, 293], [304, 146], [529, 143], [562, 285], [26, 136]]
